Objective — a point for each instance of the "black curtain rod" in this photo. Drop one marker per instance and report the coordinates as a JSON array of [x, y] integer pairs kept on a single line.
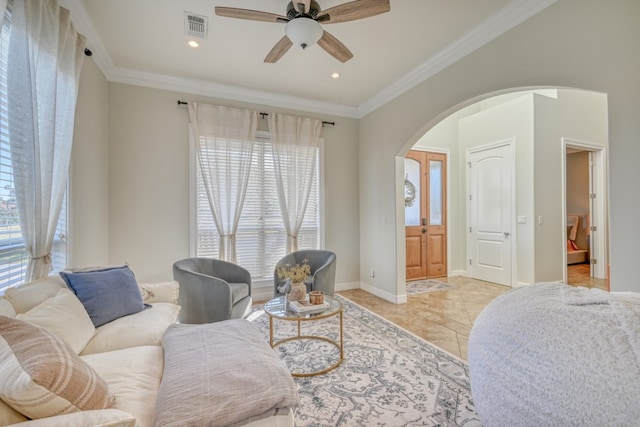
[[266, 114]]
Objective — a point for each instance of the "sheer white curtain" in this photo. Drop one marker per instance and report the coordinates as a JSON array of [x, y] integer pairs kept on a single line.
[[224, 139], [43, 68], [3, 8], [295, 149]]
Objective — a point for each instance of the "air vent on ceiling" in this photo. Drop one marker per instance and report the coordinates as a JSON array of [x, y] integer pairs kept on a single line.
[[195, 25]]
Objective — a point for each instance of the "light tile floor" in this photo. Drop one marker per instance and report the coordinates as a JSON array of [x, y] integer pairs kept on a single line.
[[444, 318], [578, 275]]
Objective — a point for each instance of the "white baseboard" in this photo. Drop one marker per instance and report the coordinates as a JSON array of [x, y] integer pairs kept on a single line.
[[399, 299], [347, 286], [262, 293], [457, 273]]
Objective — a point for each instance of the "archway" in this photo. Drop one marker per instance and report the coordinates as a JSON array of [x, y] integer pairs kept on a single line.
[[538, 219]]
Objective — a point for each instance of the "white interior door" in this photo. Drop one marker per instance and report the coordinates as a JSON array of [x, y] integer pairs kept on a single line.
[[490, 187]]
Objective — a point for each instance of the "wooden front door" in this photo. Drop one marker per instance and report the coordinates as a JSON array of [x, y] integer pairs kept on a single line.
[[425, 215]]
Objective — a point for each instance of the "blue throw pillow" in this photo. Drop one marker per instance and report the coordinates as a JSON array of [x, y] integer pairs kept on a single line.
[[106, 294]]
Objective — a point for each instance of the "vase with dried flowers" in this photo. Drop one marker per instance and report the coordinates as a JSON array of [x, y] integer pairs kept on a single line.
[[295, 274]]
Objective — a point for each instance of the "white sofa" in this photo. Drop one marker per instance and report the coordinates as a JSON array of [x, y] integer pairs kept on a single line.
[[126, 353]]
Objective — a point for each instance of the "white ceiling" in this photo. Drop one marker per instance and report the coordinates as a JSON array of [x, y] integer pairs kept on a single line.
[[144, 42]]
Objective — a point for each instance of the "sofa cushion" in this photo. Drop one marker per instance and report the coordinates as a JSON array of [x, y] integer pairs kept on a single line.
[[106, 294], [8, 415], [42, 376], [27, 296], [143, 328], [134, 376], [65, 317], [98, 418], [6, 308]]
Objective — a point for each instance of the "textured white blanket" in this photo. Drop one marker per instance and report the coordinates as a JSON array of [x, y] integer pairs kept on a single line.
[[552, 355], [221, 374]]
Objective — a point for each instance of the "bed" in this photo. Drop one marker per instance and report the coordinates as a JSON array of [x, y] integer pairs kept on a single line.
[[577, 238]]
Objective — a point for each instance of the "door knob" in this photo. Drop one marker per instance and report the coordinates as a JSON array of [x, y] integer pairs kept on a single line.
[[424, 229], [506, 234]]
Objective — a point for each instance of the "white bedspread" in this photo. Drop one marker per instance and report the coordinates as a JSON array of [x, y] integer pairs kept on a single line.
[[554, 355]]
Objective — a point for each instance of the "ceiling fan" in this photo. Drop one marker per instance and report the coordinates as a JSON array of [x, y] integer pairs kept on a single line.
[[303, 19]]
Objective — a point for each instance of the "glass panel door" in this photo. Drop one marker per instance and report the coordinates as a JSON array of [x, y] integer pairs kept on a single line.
[[412, 192], [435, 192]]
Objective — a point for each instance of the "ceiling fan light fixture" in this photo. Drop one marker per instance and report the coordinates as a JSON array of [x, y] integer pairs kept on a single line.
[[303, 31]]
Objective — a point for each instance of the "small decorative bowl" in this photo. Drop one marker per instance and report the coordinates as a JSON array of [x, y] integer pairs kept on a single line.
[[316, 297]]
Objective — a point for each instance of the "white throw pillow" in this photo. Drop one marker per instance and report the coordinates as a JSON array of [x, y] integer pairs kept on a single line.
[[160, 292], [65, 317]]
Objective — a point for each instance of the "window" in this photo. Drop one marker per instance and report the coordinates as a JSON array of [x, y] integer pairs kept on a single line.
[[13, 257], [261, 239]]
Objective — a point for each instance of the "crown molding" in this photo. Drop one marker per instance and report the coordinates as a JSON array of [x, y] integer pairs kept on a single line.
[[234, 93], [513, 14], [85, 26], [508, 17]]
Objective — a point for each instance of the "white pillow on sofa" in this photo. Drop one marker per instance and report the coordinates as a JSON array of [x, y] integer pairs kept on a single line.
[[65, 317]]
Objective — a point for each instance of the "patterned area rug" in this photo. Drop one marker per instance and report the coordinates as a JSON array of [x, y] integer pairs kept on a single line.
[[421, 286], [389, 377]]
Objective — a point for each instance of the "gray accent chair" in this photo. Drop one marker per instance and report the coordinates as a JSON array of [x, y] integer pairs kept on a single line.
[[323, 270], [211, 290]]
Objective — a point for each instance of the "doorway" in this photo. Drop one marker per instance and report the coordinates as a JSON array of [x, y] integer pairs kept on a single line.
[[584, 193], [538, 249], [425, 214]]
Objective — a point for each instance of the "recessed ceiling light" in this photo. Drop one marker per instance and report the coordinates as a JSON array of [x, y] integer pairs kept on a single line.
[[335, 75], [193, 43]]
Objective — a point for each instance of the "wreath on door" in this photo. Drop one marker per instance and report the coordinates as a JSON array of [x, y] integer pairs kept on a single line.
[[409, 193]]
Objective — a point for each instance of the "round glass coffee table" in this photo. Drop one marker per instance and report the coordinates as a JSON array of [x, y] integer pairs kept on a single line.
[[279, 308]]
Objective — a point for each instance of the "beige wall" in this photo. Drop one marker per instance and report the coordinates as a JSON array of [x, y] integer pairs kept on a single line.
[[129, 184], [578, 182], [573, 43], [510, 121], [130, 180], [577, 116], [88, 186]]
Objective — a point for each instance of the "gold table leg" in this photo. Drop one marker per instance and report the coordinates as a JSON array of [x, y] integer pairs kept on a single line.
[[271, 331], [339, 346]]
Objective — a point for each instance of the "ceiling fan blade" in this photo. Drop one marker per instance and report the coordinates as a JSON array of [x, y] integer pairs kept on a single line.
[[334, 47], [278, 50], [302, 6], [252, 15], [353, 10]]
